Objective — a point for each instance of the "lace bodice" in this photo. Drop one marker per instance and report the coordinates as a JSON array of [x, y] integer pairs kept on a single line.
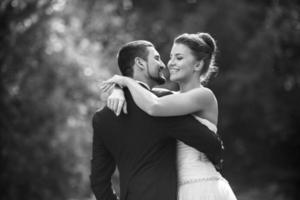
[[192, 164]]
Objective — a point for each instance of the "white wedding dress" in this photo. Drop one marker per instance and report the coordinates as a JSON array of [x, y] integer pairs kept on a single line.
[[198, 178]]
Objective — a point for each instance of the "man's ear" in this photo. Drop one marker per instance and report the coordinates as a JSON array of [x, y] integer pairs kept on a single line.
[[140, 63], [198, 66]]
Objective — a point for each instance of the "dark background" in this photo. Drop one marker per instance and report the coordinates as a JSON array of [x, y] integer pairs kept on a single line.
[[54, 52]]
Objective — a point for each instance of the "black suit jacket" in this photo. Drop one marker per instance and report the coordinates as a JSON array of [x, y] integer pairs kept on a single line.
[[144, 150]]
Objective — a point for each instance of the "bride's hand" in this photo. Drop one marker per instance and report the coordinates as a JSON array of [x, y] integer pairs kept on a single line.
[[110, 83], [116, 101]]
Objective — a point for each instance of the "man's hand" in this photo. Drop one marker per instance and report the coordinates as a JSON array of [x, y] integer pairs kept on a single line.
[[116, 101]]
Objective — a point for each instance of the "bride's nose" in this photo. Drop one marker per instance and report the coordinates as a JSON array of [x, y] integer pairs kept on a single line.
[[170, 63]]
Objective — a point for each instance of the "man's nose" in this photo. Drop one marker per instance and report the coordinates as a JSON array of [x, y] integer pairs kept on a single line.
[[162, 66]]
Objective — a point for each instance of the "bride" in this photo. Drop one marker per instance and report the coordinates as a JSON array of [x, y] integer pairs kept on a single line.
[[191, 63]]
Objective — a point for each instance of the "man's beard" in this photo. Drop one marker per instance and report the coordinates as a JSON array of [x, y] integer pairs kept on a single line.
[[160, 79]]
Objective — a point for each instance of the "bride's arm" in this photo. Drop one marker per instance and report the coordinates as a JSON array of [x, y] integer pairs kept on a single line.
[[171, 105], [142, 97]]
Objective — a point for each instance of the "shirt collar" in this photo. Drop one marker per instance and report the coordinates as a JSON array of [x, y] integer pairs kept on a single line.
[[144, 84]]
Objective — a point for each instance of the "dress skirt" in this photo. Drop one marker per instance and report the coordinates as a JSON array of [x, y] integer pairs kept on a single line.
[[198, 178], [206, 190]]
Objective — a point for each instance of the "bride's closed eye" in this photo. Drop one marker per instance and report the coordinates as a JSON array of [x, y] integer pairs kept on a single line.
[[179, 57]]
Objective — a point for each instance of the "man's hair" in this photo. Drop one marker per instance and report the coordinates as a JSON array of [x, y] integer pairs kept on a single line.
[[129, 52]]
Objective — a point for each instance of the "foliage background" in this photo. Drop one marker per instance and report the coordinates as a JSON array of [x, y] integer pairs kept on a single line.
[[53, 53]]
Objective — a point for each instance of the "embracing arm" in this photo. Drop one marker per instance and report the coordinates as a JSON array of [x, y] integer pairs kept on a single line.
[[170, 105], [193, 133]]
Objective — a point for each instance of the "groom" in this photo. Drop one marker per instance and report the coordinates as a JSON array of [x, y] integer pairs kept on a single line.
[[143, 148]]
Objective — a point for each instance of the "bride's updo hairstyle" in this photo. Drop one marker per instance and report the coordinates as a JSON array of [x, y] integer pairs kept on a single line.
[[204, 48]]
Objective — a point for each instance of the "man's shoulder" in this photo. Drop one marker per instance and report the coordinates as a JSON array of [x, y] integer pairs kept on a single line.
[[100, 111], [103, 112]]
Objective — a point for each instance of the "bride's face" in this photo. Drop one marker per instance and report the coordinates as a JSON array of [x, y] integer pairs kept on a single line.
[[181, 63]]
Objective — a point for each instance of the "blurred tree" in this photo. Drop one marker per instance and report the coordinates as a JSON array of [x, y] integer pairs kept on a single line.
[[266, 89], [41, 91]]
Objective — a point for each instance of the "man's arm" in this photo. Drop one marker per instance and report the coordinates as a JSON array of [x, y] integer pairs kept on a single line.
[[102, 164], [193, 133], [189, 130]]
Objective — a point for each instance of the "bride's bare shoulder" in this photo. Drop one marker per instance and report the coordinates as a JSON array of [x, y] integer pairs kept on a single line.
[[203, 92]]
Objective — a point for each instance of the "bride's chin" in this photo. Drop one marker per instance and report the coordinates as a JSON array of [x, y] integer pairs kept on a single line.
[[173, 78]]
